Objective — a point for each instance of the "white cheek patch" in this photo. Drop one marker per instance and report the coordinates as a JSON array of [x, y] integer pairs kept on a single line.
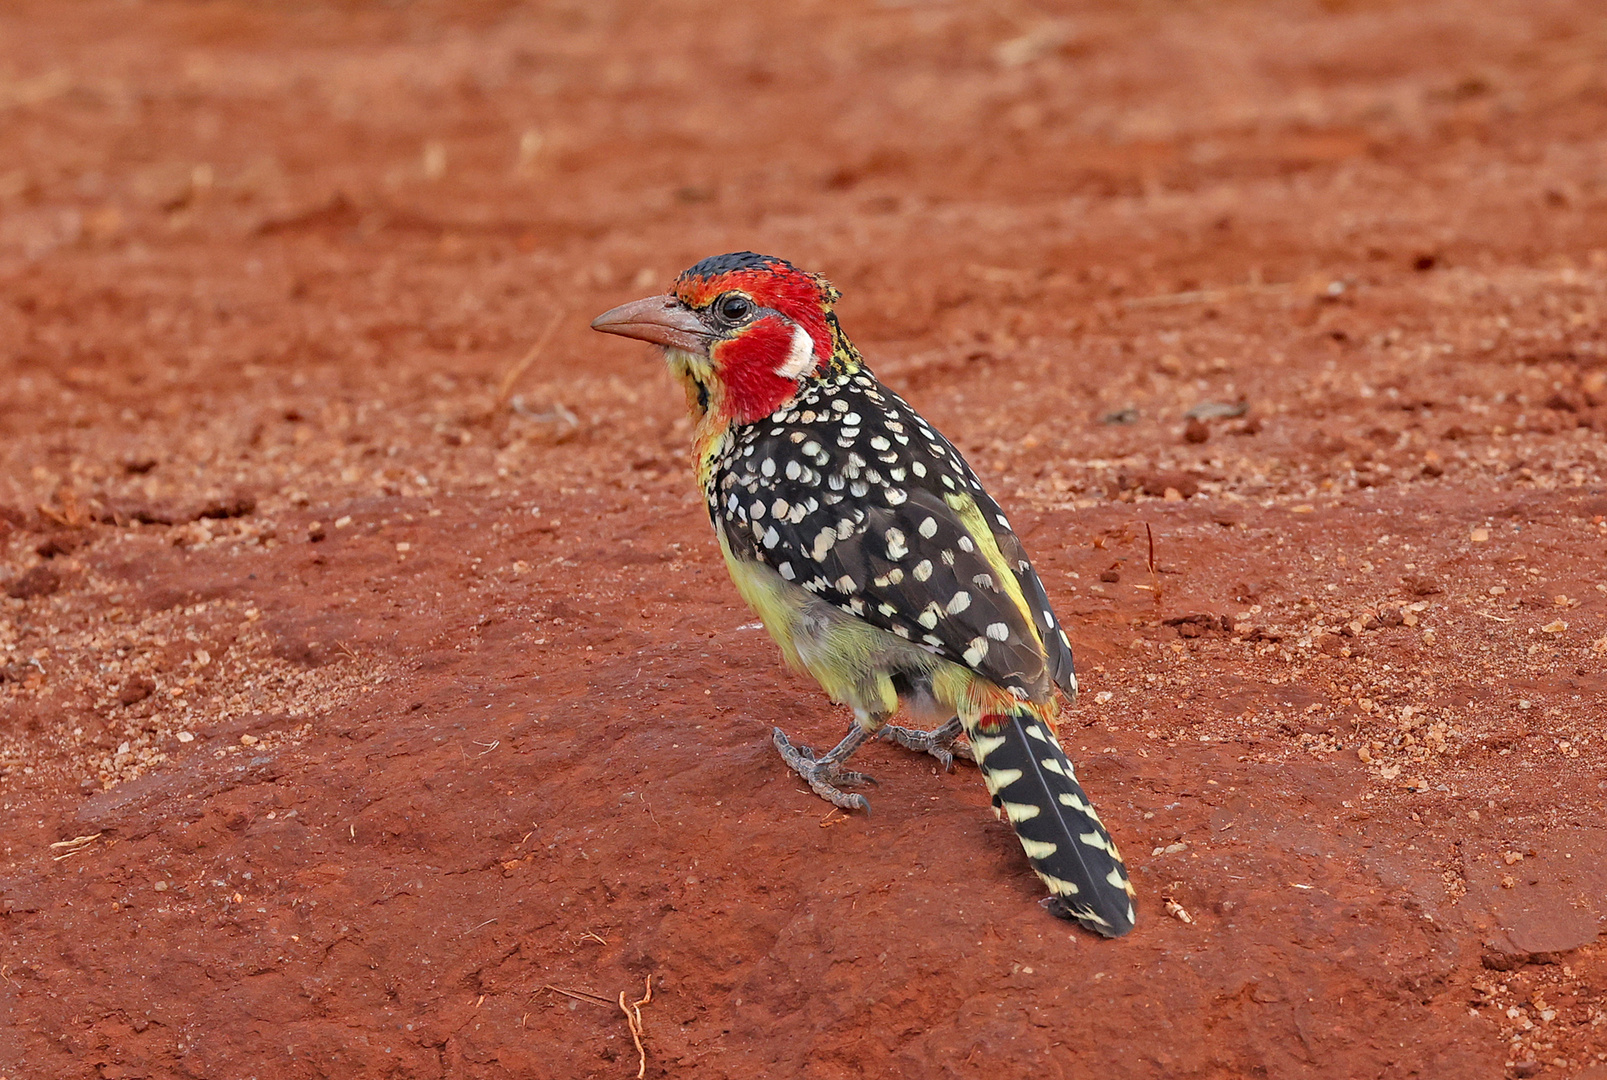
[[801, 357]]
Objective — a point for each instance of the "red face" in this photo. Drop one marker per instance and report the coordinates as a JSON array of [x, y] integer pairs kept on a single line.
[[760, 323]]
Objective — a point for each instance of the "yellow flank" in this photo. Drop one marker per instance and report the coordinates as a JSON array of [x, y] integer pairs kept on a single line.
[[841, 653], [971, 517], [851, 659]]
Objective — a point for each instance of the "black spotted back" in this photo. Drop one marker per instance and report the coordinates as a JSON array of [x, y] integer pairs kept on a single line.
[[843, 492]]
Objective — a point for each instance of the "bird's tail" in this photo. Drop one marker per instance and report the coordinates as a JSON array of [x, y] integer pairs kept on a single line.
[[1033, 784]]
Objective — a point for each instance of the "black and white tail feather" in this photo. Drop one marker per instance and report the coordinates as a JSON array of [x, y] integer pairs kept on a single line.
[[1034, 786]]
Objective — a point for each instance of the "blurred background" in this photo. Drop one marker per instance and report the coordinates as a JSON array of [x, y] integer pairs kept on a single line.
[[430, 181], [217, 193]]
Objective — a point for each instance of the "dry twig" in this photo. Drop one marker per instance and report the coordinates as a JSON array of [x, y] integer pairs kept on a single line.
[[66, 849], [1154, 578], [68, 513], [580, 995], [631, 1009], [558, 415], [633, 1018], [511, 379]]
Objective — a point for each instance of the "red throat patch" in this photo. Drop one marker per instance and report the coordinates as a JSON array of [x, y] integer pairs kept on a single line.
[[748, 366]]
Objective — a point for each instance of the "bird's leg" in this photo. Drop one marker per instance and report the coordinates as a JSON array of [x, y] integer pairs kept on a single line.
[[823, 774], [939, 742]]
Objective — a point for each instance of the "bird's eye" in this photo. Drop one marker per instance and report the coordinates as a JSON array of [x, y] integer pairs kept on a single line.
[[733, 307]]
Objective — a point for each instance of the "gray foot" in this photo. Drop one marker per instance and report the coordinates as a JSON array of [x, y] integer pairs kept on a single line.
[[939, 742], [825, 774]]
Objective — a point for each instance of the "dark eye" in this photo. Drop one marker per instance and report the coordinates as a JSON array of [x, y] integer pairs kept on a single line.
[[733, 307]]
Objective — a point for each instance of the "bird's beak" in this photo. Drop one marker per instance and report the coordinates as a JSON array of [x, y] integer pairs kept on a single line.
[[662, 320]]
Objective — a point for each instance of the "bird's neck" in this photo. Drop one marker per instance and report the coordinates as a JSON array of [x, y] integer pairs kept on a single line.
[[845, 358], [709, 405], [719, 410]]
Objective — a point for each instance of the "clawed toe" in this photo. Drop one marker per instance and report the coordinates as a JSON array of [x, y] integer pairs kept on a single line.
[[823, 775], [961, 750], [939, 742]]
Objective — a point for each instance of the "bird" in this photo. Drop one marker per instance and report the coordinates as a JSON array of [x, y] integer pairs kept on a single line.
[[877, 562]]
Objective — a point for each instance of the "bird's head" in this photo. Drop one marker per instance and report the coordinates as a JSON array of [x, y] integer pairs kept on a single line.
[[742, 331]]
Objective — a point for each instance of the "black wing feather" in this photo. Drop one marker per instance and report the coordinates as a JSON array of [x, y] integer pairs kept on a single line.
[[843, 493]]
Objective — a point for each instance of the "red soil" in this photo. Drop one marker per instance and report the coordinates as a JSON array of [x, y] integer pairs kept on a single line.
[[397, 683]]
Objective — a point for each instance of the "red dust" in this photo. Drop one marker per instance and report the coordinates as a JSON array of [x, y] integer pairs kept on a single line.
[[349, 700]]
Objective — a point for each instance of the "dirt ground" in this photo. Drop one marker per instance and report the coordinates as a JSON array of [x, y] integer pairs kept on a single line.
[[373, 702]]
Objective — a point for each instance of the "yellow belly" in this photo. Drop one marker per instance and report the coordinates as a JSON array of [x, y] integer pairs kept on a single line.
[[854, 661]]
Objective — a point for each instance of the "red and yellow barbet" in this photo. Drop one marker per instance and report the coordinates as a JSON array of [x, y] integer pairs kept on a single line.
[[876, 560]]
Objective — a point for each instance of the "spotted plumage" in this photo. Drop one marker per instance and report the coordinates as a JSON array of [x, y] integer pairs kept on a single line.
[[872, 502], [876, 560]]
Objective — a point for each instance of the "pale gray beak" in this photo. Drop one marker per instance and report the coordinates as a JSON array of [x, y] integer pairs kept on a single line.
[[662, 320]]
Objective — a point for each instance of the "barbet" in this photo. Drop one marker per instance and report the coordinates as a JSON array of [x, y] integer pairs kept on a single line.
[[876, 560]]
